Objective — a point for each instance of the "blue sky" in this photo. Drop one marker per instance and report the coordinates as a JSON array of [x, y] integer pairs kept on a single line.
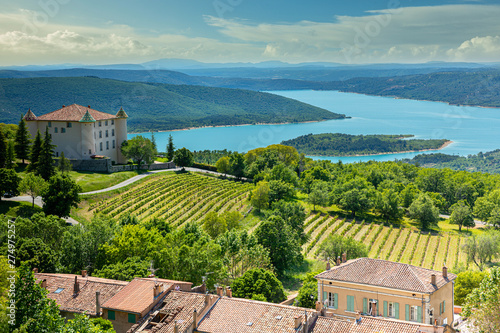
[[361, 31]]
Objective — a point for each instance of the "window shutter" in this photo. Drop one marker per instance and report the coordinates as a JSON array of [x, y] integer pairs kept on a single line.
[[407, 312], [419, 314], [396, 308], [348, 303], [385, 308], [444, 306], [325, 296], [378, 311], [336, 301], [365, 305], [440, 308]]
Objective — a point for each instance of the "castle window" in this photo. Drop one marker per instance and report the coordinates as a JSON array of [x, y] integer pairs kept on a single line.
[[107, 133], [107, 144], [106, 123], [114, 144], [112, 121], [50, 124], [100, 124], [68, 125], [113, 132], [55, 129], [100, 145], [63, 130], [100, 134]]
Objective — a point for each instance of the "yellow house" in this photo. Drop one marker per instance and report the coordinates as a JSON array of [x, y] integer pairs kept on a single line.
[[377, 287]]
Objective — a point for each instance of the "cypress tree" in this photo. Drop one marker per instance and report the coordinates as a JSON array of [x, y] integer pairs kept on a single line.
[[170, 148], [45, 167], [35, 152], [3, 150], [10, 162], [23, 140], [64, 164]]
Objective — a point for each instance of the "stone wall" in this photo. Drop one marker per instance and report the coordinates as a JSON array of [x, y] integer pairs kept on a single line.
[[105, 165]]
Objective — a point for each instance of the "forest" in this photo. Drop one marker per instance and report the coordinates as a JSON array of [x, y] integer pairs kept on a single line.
[[338, 144]]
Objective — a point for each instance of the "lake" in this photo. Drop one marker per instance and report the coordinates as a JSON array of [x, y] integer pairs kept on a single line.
[[472, 129]]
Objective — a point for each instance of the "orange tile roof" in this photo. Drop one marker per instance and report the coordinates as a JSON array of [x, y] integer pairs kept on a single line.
[[177, 307], [367, 325], [84, 300], [241, 315], [387, 274], [74, 112]]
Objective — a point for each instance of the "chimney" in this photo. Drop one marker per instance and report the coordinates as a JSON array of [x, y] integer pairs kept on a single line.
[[433, 279], [89, 106], [328, 264], [203, 288], [176, 328], [305, 328], [98, 303], [338, 261], [35, 270], [229, 292], [445, 272], [319, 306], [64, 106], [195, 320], [84, 273], [297, 321], [220, 291], [76, 286], [44, 283], [208, 298], [344, 257]]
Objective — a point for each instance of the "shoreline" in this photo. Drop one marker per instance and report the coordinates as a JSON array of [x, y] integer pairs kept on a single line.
[[444, 145]]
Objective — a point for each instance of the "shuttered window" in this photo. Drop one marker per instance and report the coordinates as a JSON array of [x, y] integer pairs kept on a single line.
[[350, 303]]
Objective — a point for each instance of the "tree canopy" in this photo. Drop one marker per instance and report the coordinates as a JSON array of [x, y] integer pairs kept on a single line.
[[139, 149], [259, 284]]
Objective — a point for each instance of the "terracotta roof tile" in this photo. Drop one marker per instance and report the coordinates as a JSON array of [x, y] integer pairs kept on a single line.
[[29, 115], [240, 315], [74, 112], [367, 325], [387, 274], [84, 300]]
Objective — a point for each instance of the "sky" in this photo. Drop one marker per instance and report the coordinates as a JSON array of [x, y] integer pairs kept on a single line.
[[46, 32]]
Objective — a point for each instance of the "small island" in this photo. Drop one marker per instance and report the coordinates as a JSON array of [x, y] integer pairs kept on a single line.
[[338, 144]]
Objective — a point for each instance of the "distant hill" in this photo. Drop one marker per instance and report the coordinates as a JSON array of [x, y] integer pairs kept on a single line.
[[338, 144], [154, 106]]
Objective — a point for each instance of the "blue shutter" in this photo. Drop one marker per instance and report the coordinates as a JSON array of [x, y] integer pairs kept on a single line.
[[444, 306], [419, 314], [378, 311], [365, 305], [336, 301], [396, 308], [407, 312], [385, 308], [325, 296], [440, 308]]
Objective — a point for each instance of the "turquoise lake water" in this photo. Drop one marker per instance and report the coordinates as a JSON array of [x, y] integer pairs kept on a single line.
[[472, 129]]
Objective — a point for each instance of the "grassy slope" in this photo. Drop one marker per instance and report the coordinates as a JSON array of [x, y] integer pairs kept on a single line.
[[154, 106]]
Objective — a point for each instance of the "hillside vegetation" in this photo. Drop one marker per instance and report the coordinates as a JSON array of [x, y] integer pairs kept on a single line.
[[154, 106], [338, 144]]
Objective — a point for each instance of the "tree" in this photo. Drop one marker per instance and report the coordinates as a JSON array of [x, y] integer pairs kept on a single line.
[[387, 205], [334, 246], [223, 165], [259, 197], [64, 165], [33, 186], [214, 225], [237, 165], [355, 201], [495, 217], [23, 140], [60, 195], [483, 304], [9, 182], [424, 211], [308, 293], [127, 270], [153, 141], [279, 190], [45, 164], [281, 242], [183, 158], [462, 215], [139, 149], [483, 248], [319, 195], [10, 162], [170, 148], [465, 283], [283, 173], [259, 282], [232, 218], [83, 324], [34, 311], [294, 215], [34, 252], [36, 150], [3, 150]]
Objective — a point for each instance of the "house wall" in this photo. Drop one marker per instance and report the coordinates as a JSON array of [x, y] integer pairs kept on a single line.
[[445, 294], [120, 323], [361, 292]]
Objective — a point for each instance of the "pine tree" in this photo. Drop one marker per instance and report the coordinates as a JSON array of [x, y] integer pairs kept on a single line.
[[153, 141], [3, 150], [35, 152], [23, 140], [64, 165], [45, 167], [170, 148], [10, 162]]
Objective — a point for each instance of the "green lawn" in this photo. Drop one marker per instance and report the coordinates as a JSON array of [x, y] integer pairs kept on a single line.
[[18, 209]]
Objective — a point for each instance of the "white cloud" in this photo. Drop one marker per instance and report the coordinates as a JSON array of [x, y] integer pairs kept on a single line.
[[478, 48]]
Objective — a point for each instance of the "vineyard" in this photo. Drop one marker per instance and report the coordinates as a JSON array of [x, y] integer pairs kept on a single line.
[[395, 243], [177, 198]]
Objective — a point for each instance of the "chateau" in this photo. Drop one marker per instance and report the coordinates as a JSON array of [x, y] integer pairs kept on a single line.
[[82, 132]]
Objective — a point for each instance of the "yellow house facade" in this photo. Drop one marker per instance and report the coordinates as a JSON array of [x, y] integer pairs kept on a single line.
[[388, 289]]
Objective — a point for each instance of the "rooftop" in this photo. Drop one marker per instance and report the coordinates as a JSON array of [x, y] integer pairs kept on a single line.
[[242, 315], [369, 325], [73, 112], [387, 274], [85, 299]]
